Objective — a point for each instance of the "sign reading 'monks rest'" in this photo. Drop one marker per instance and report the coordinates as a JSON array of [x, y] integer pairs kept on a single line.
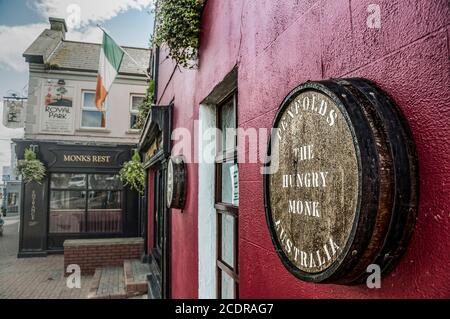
[[341, 193]]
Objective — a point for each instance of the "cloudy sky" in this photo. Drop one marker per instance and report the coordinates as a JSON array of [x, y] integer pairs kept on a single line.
[[130, 22]]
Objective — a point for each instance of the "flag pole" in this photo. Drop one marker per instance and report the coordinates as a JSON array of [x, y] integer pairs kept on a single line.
[[126, 53]]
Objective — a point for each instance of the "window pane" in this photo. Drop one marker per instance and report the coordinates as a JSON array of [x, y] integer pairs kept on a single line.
[[228, 125], [133, 119], [12, 199], [136, 101], [104, 200], [68, 207], [92, 119], [73, 181], [67, 200], [67, 211], [227, 286], [104, 181], [230, 183], [160, 208], [104, 221], [228, 239], [89, 99], [66, 221]]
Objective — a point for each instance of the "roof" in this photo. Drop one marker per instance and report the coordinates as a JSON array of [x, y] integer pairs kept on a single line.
[[85, 56], [43, 46]]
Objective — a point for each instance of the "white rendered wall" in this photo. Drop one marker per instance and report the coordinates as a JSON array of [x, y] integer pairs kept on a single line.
[[206, 212], [117, 104]]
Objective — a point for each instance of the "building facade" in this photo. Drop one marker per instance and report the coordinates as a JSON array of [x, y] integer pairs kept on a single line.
[[12, 190], [82, 148], [13, 186], [6, 176], [252, 54]]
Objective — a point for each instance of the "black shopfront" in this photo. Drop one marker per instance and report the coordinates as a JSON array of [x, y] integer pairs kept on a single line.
[[155, 149], [81, 196]]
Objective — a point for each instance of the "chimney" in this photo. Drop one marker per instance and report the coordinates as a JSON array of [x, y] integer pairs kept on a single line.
[[58, 24]]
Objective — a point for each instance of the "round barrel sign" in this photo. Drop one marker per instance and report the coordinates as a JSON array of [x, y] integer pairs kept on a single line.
[[340, 182], [176, 182]]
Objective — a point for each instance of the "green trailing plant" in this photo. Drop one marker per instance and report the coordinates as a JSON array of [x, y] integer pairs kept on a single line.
[[144, 108], [132, 174], [178, 26], [30, 167]]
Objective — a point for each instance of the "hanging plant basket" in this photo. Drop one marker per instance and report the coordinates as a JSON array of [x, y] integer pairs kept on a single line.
[[178, 26], [132, 174], [31, 169]]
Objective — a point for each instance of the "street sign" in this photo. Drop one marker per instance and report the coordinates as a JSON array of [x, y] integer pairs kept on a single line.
[[14, 112]]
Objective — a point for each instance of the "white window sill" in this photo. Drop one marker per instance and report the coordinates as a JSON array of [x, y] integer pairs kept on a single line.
[[93, 129], [133, 131]]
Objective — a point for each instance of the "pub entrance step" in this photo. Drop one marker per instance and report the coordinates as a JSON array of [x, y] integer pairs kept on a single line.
[[120, 282]]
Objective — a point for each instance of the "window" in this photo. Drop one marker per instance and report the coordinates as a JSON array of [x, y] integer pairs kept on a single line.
[[12, 199], [85, 203], [136, 101], [227, 200], [91, 117], [159, 209]]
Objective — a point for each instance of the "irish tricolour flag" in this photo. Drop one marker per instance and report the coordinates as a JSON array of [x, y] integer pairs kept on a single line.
[[111, 56]]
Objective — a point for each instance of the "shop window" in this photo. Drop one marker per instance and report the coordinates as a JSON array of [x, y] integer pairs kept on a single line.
[[85, 203], [12, 199], [91, 117], [160, 210], [227, 200], [136, 101]]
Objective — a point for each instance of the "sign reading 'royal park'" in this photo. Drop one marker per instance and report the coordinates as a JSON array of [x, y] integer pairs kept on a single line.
[[330, 198], [57, 113]]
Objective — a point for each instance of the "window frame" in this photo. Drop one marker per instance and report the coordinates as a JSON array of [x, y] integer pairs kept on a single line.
[[225, 156], [89, 108], [158, 216], [134, 112], [87, 190]]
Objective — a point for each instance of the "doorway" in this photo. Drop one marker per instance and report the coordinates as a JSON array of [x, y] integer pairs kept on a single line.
[[160, 252]]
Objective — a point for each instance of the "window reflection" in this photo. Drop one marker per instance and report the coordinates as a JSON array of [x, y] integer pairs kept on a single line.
[[103, 181], [68, 200], [104, 200], [85, 203], [72, 181], [228, 125]]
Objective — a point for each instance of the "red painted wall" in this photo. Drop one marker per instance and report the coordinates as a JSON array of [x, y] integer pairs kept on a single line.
[[278, 45], [184, 266]]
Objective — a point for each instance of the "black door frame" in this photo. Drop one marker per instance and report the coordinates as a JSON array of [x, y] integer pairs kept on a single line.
[[155, 147], [161, 255], [143, 220]]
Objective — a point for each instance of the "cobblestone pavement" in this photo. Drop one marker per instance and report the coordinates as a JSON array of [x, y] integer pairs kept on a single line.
[[33, 278]]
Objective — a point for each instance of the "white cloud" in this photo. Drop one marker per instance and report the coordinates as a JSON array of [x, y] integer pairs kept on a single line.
[[90, 11], [13, 42], [6, 134], [89, 34]]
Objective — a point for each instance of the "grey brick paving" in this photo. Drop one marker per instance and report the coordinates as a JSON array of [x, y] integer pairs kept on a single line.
[[33, 278]]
